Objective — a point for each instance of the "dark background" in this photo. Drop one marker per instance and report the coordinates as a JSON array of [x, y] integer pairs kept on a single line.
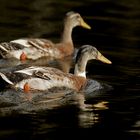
[[116, 33]]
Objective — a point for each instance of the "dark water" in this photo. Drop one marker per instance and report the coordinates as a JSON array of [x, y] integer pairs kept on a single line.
[[111, 114]]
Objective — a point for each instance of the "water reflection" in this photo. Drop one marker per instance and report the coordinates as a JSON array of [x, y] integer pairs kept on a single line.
[[88, 114], [15, 102], [52, 101], [115, 33]]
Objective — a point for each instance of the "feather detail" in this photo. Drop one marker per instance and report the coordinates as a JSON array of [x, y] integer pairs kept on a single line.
[[6, 79]]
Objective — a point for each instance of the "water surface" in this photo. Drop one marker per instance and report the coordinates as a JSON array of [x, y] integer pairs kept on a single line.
[[114, 112]]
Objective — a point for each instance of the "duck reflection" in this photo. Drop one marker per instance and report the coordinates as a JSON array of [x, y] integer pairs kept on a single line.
[[88, 114]]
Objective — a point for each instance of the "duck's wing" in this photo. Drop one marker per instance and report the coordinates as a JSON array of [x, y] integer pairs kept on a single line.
[[17, 76], [8, 47], [38, 43], [13, 78], [29, 70], [40, 47], [23, 42], [43, 78], [47, 73]]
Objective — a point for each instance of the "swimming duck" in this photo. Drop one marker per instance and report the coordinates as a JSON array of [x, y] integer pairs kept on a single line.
[[34, 48], [44, 78]]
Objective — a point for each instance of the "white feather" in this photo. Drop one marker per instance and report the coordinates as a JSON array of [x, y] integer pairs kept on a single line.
[[6, 79], [23, 42], [30, 70], [77, 72], [3, 48], [83, 74]]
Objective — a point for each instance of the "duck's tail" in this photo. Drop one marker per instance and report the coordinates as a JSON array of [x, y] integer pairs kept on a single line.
[[4, 77], [3, 50]]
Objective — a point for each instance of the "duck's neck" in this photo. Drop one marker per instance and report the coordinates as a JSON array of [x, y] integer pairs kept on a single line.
[[80, 68], [67, 33]]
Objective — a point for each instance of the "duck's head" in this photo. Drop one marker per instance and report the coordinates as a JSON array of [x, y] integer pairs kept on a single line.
[[85, 53], [74, 19], [88, 52]]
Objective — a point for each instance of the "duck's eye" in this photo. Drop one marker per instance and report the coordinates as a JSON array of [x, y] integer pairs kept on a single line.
[[77, 17]]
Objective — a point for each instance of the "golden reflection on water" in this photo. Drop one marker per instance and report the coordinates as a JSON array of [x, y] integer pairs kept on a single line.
[[88, 115], [55, 99]]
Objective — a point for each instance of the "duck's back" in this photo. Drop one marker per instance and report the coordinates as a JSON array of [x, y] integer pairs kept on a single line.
[[47, 77]]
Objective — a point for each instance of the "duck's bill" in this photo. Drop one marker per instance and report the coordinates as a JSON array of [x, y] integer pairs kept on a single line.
[[103, 59], [84, 24]]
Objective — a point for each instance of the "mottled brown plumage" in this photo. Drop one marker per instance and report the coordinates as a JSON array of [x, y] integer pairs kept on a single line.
[[44, 78], [34, 48]]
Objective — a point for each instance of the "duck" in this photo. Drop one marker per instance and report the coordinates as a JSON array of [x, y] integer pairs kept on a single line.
[[39, 78], [35, 48]]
